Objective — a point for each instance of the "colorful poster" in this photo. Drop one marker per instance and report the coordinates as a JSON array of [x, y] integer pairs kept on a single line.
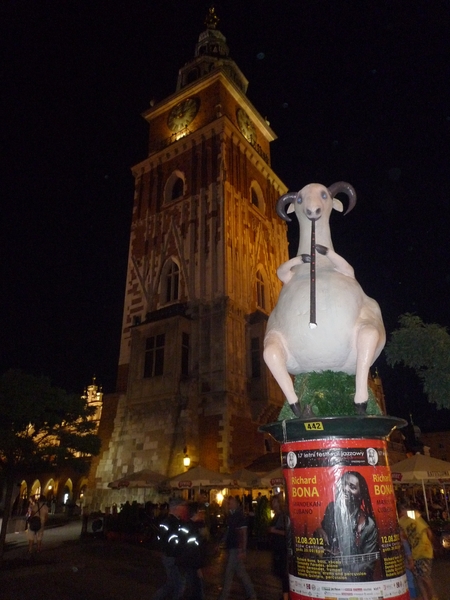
[[344, 540]]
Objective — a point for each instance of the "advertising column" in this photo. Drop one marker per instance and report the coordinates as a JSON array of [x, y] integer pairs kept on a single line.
[[344, 536]]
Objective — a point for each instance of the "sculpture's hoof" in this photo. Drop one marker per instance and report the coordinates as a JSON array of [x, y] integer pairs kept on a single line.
[[306, 258], [307, 412], [296, 409], [361, 408], [321, 249], [302, 412]]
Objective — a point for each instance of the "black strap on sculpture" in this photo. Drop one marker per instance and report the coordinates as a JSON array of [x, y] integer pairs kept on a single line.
[[312, 291]]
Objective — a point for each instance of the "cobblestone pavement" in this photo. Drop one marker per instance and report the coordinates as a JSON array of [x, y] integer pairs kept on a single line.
[[94, 569]]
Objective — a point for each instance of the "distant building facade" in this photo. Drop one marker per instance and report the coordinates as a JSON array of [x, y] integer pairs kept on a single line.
[[438, 443], [64, 488]]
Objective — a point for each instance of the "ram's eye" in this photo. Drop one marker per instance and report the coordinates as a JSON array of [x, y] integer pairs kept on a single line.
[[324, 195], [299, 199]]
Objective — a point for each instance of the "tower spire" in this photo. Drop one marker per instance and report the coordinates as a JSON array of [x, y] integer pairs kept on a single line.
[[212, 19], [211, 53]]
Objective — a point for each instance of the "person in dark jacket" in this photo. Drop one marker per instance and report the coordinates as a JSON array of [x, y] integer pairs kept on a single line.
[[277, 529], [194, 555], [172, 532], [236, 543]]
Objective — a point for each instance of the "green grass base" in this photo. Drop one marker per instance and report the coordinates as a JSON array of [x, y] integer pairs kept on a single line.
[[329, 394]]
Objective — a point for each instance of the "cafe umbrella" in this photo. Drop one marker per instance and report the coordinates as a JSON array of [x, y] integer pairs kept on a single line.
[[140, 479], [273, 478], [245, 479], [199, 477], [421, 469]]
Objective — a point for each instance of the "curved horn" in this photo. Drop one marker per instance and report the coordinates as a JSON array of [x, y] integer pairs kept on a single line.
[[343, 186], [285, 200]]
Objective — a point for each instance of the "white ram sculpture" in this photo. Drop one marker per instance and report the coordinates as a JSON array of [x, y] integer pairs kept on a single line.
[[350, 333]]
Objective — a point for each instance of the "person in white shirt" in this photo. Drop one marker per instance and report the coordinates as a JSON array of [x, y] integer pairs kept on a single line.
[[39, 509]]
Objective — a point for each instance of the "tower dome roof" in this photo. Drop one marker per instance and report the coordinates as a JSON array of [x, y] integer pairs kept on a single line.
[[211, 52]]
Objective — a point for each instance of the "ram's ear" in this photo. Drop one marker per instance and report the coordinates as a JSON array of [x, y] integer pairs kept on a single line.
[[337, 205], [291, 208]]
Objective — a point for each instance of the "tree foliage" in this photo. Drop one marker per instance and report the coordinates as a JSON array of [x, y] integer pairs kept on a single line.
[[41, 428], [41, 425], [328, 394], [426, 349]]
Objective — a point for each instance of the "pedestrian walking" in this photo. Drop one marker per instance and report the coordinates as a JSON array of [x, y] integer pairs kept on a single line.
[[172, 532], [194, 557], [409, 566], [278, 543], [236, 545], [36, 518], [420, 538]]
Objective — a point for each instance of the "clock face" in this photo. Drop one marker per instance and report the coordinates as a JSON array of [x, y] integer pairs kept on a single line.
[[246, 126], [183, 114]]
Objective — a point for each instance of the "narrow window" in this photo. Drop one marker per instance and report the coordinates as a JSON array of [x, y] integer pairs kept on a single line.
[[154, 355], [256, 357], [260, 291], [177, 189], [185, 354], [192, 75], [255, 198], [172, 282]]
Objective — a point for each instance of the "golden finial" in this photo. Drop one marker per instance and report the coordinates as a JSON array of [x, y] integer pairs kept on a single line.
[[212, 19]]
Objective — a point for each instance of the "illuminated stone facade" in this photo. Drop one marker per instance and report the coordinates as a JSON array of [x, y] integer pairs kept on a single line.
[[204, 248]]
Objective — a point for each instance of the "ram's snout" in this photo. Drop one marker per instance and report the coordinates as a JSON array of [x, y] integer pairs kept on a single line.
[[314, 213]]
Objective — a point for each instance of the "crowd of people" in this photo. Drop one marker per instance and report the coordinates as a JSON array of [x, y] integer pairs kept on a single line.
[[183, 544], [348, 528], [187, 534]]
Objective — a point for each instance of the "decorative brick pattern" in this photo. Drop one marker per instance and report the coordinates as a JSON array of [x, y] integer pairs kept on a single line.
[[219, 239]]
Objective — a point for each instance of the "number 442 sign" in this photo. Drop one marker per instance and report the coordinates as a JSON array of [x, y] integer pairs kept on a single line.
[[314, 426]]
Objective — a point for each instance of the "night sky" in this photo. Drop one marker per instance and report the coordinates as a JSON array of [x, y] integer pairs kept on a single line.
[[355, 90]]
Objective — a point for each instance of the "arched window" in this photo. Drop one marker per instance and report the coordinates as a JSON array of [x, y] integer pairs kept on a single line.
[[260, 291], [170, 282], [257, 196], [178, 188], [50, 489], [174, 188], [67, 491], [35, 488]]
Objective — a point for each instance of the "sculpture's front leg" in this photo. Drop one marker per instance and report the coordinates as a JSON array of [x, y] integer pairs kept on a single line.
[[284, 271], [338, 262], [275, 358]]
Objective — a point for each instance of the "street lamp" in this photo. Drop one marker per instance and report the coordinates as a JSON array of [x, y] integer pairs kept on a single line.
[[186, 459]]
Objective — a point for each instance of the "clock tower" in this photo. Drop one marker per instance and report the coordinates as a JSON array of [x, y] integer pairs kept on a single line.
[[205, 244]]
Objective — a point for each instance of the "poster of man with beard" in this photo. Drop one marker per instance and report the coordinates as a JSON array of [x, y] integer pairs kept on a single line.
[[344, 537]]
